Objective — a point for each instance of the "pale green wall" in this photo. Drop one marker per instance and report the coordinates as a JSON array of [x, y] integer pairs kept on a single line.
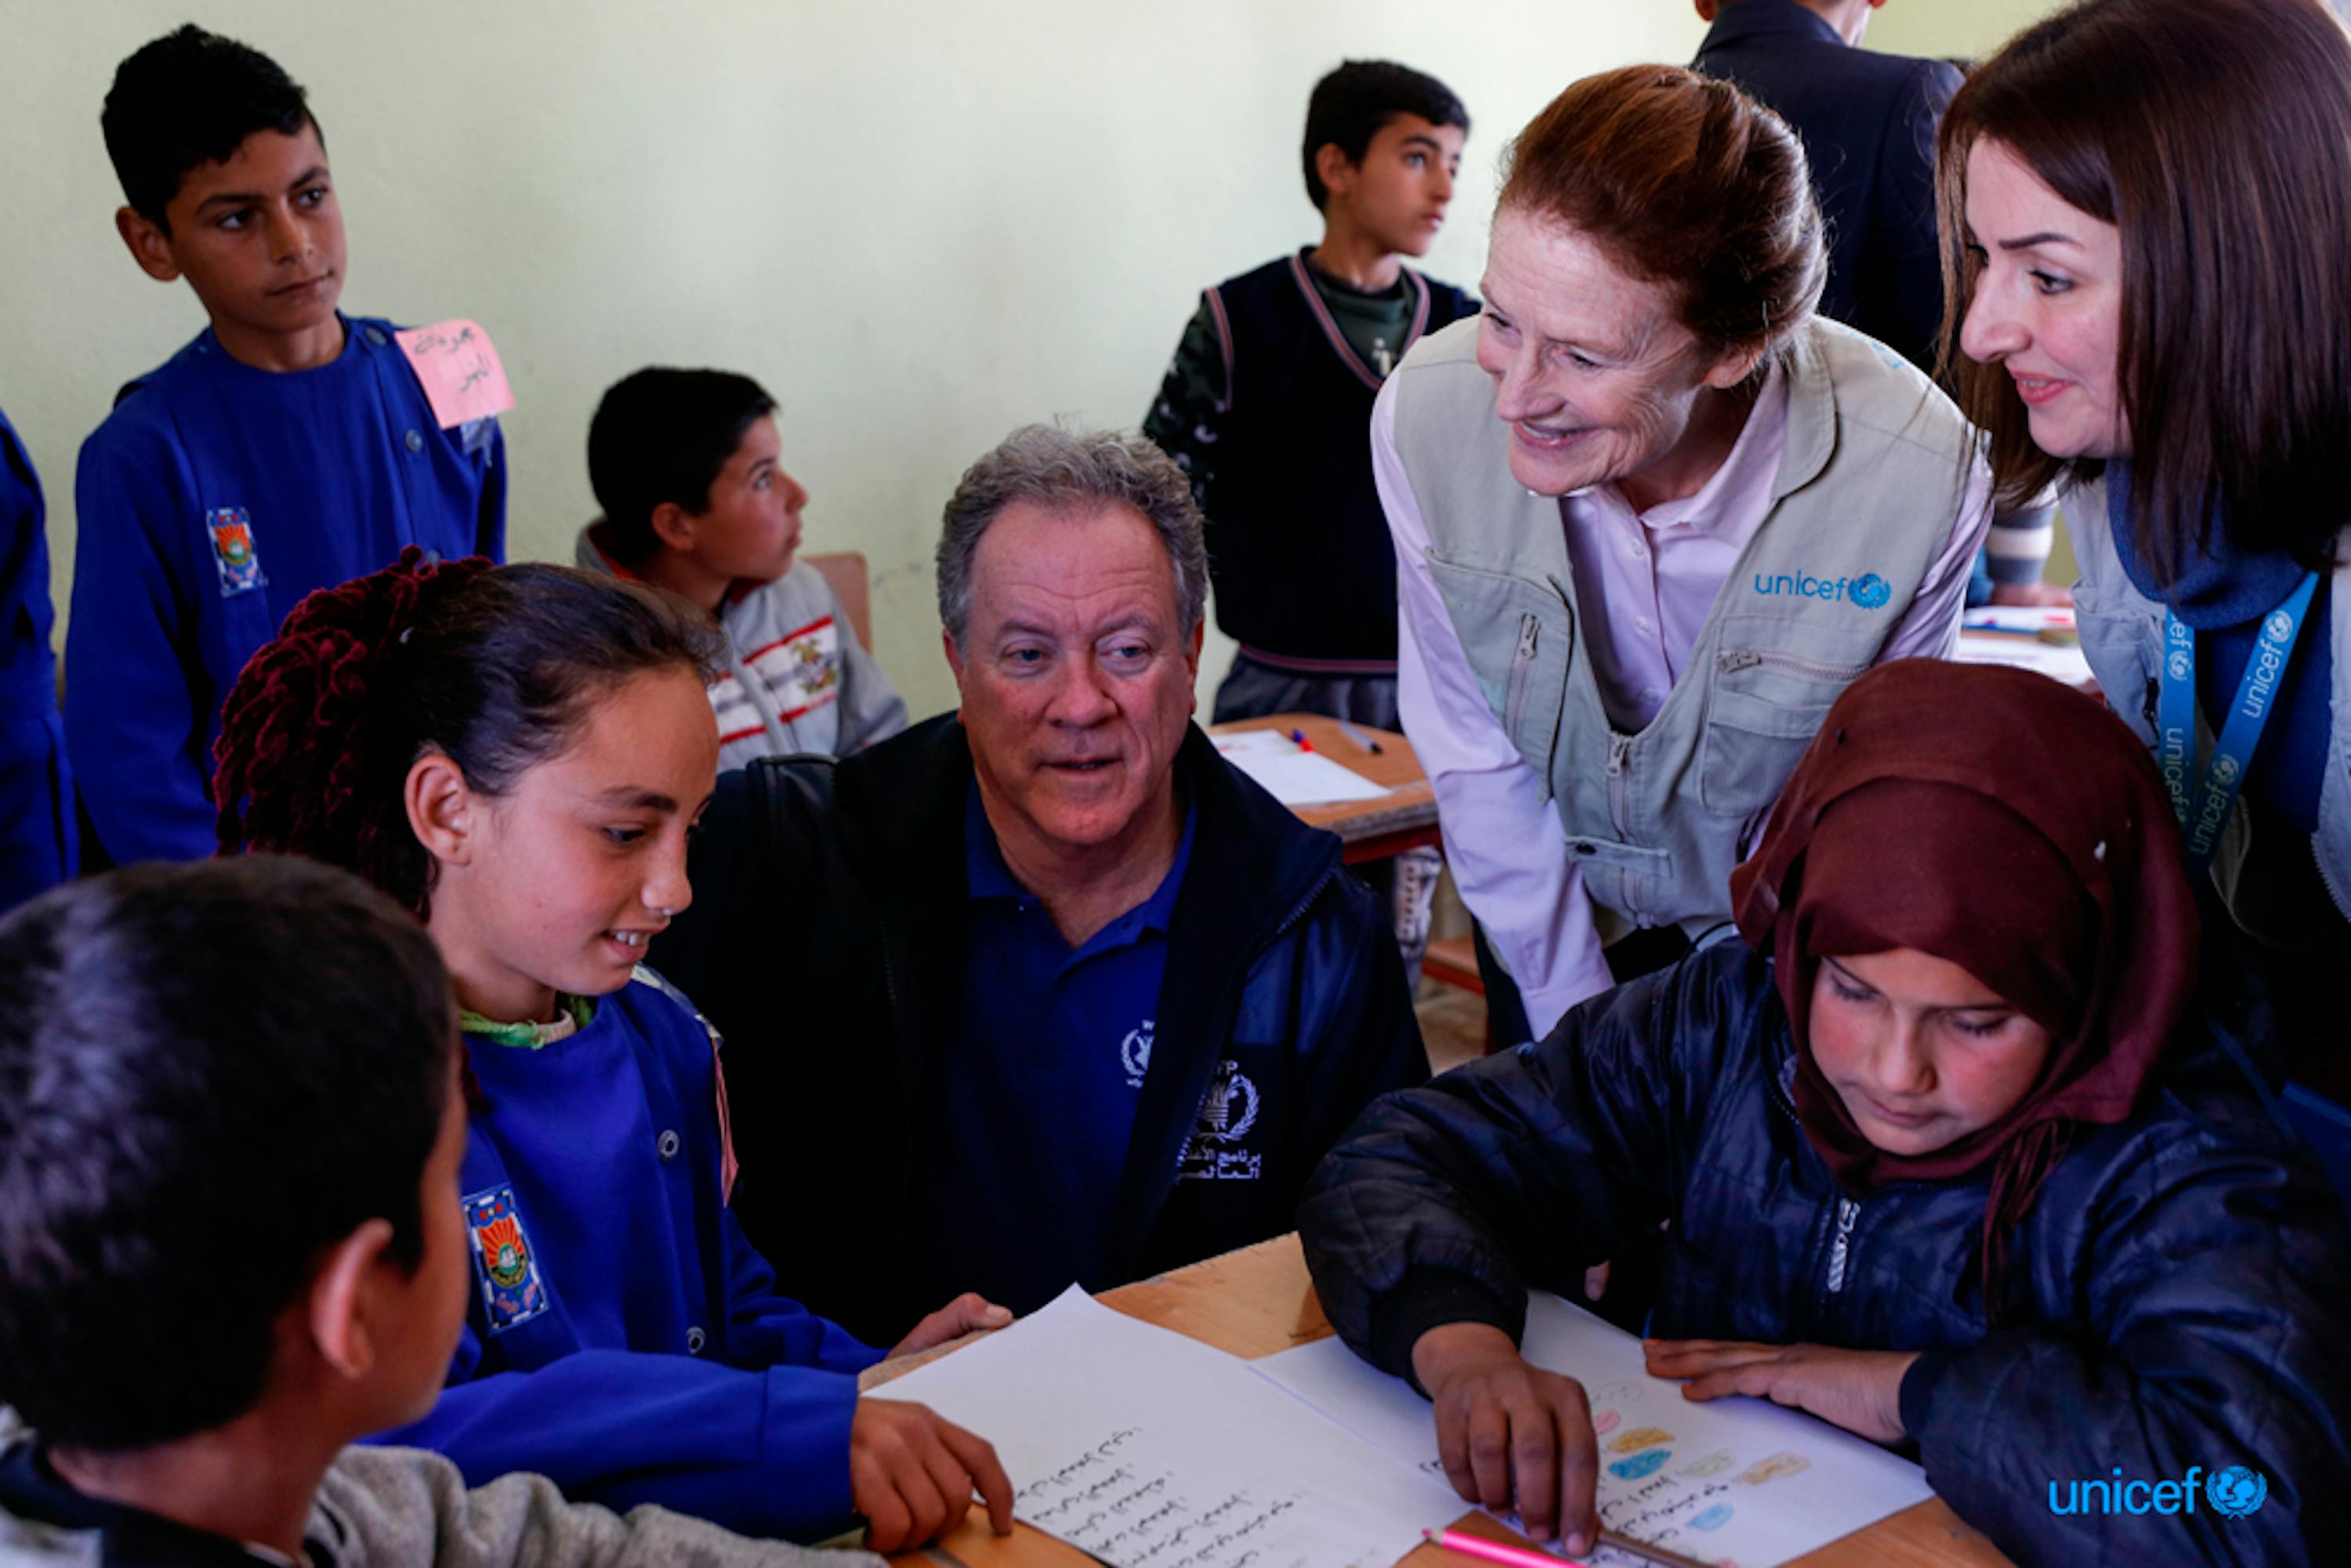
[[920, 222], [1969, 30]]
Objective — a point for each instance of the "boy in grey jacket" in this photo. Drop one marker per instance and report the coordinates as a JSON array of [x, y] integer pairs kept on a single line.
[[685, 464], [231, 1123]]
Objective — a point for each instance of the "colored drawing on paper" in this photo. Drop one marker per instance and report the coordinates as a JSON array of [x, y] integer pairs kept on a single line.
[[1714, 1464], [1779, 1464], [1638, 1439], [1714, 1518], [1605, 1422], [1640, 1465]]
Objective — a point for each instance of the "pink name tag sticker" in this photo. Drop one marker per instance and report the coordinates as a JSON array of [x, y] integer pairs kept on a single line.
[[459, 367]]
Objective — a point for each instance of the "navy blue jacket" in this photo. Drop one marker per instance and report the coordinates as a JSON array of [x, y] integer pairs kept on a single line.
[[826, 941], [1867, 123], [36, 823], [2175, 1298], [209, 502]]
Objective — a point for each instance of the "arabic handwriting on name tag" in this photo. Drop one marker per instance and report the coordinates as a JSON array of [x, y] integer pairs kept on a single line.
[[459, 369]]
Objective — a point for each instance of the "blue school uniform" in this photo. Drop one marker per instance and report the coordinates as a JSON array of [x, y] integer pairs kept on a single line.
[[36, 825], [211, 500], [623, 1339]]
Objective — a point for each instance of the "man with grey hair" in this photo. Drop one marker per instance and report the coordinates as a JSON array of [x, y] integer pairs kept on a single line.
[[1041, 991]]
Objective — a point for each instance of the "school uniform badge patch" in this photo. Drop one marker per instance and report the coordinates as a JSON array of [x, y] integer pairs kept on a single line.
[[232, 554], [512, 1290]]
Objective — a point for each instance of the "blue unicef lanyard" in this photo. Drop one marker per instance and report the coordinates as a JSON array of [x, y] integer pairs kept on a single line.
[[2215, 796]]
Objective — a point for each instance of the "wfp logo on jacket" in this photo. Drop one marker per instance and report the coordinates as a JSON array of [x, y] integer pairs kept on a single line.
[[1867, 591]]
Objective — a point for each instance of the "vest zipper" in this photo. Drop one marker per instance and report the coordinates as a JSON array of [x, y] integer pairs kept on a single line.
[[1841, 1245], [1522, 663], [1732, 660]]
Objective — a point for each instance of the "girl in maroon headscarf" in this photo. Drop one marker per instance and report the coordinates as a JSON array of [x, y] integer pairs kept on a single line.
[[1945, 1153]]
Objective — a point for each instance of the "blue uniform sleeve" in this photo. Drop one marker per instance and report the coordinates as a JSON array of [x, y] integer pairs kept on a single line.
[[764, 1328], [138, 701], [761, 1452]]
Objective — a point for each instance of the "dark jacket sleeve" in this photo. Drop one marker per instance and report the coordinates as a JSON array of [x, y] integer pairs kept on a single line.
[[1446, 1203], [1185, 416], [2216, 1275], [1367, 1036]]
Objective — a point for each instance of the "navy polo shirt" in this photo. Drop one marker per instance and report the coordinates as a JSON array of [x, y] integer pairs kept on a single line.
[[1039, 1094]]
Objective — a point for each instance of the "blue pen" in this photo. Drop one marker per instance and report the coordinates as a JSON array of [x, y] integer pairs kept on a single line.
[[1299, 737]]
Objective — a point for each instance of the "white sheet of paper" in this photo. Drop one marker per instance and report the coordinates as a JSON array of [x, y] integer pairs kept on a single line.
[[1147, 1450], [1734, 1481], [2054, 660], [1293, 777]]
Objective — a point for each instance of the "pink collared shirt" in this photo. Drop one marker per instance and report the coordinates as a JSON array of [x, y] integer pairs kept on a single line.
[[1644, 585]]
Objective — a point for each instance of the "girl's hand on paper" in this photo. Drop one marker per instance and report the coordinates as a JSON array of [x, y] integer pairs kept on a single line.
[[966, 1314], [1860, 1390], [912, 1474], [1511, 1434]]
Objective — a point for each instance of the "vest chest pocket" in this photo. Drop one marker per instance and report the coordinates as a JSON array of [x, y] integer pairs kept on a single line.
[[1520, 639], [1764, 709]]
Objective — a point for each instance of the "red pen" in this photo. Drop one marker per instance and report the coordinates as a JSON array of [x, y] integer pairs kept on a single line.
[[1299, 737]]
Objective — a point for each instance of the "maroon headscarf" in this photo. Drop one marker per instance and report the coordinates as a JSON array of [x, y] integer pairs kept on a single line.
[[2006, 824]]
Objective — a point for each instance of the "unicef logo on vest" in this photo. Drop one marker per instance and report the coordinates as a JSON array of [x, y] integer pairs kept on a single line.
[[2236, 1491], [1867, 591]]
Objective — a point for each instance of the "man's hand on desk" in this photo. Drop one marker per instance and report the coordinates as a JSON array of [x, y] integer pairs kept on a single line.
[[912, 1474], [1860, 1390], [967, 1313], [1511, 1434]]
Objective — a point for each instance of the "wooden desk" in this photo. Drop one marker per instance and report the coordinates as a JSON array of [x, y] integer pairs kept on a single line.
[[1259, 1301], [1403, 818]]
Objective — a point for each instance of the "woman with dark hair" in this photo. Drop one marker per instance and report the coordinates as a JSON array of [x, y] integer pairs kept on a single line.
[[2150, 300], [1651, 516], [1946, 1154]]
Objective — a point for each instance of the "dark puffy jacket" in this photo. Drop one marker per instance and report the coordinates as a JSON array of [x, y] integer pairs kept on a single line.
[[2178, 1296], [826, 943]]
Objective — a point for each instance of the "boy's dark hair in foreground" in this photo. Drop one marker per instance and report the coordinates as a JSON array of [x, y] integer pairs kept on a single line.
[[1349, 105], [189, 98], [208, 1073], [665, 435]]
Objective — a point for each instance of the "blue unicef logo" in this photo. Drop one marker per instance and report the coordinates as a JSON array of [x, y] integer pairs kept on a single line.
[[1869, 590], [2225, 769], [2280, 627], [2236, 1491]]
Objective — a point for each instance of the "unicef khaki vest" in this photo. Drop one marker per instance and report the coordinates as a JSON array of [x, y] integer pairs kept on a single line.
[[1874, 473], [2122, 636]]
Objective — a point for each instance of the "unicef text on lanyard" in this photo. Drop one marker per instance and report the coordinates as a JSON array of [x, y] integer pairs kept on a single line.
[[2205, 814]]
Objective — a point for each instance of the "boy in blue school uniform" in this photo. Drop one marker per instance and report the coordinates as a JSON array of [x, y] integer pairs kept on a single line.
[[36, 823], [289, 447]]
